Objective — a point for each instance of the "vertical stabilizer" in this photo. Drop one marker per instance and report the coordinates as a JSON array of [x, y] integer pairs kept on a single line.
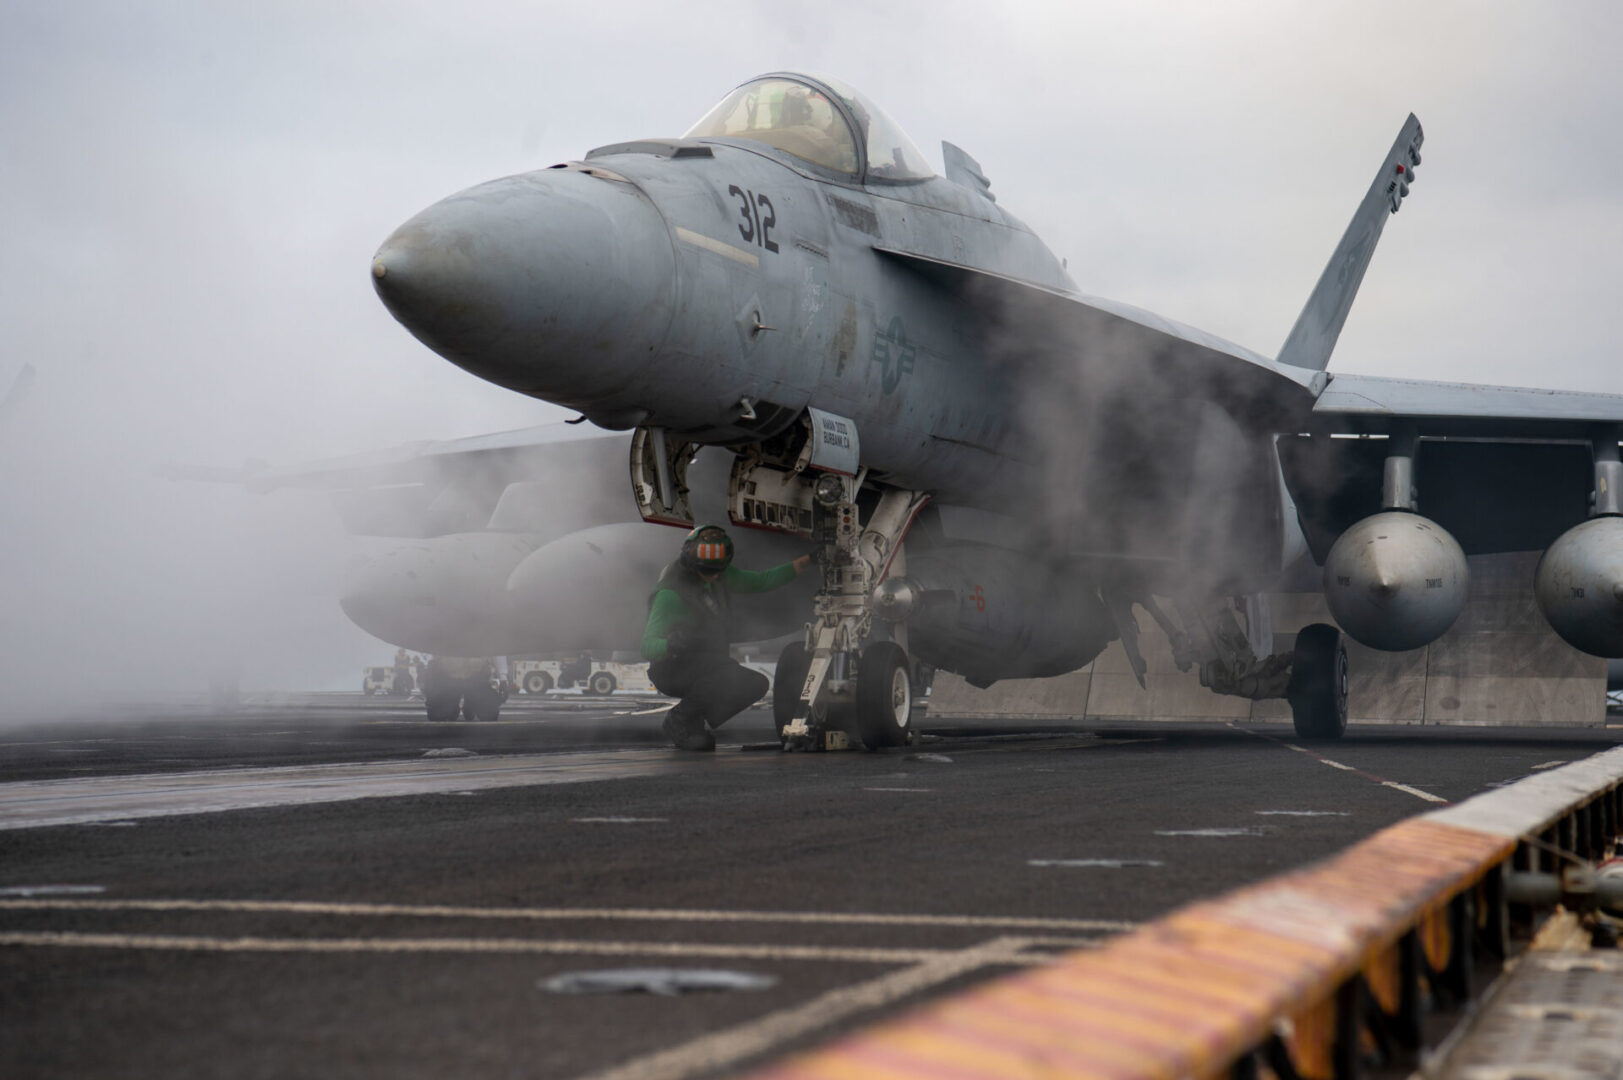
[[965, 171], [1314, 336]]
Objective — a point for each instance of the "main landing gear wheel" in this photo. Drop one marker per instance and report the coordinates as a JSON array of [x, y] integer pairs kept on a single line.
[[884, 696], [482, 703], [537, 682], [793, 663], [442, 705], [1318, 688]]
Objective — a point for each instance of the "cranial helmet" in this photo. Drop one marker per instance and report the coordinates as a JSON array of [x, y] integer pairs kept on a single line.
[[707, 548]]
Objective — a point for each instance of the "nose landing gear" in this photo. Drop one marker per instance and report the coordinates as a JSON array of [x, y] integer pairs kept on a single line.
[[851, 675], [854, 676]]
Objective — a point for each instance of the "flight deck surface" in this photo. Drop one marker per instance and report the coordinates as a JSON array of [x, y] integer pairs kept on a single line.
[[298, 888]]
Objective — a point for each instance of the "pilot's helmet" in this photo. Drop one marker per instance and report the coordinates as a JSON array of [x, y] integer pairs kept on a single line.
[[707, 549], [797, 107]]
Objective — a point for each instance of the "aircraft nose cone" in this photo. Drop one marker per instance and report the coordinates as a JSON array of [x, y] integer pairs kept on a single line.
[[448, 279], [555, 283]]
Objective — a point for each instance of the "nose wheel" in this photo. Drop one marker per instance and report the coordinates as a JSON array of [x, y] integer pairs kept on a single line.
[[884, 696], [881, 715]]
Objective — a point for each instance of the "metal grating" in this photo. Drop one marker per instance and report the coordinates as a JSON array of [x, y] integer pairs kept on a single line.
[[1558, 1016]]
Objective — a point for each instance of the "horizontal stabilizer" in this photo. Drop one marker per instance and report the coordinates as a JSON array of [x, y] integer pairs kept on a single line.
[[1314, 336]]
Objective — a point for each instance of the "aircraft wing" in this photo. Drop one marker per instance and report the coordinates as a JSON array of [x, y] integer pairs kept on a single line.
[[523, 452], [514, 480], [1502, 468], [1375, 405], [1050, 326]]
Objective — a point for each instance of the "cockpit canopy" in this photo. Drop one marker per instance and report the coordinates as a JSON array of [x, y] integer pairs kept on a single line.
[[820, 121]]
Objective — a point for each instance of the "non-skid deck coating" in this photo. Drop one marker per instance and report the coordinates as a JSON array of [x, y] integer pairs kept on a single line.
[[1188, 994], [414, 936]]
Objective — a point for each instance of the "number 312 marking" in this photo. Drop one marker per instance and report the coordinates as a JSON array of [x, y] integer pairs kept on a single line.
[[756, 229]]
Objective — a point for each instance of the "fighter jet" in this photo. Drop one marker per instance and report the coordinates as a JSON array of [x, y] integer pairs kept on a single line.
[[515, 543], [994, 469]]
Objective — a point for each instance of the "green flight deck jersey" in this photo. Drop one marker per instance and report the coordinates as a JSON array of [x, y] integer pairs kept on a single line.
[[702, 609]]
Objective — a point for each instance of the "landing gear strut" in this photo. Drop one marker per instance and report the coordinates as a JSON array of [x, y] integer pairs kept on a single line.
[[856, 672], [851, 674], [1313, 677]]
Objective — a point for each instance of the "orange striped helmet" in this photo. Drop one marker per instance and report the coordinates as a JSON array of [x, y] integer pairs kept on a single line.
[[707, 548]]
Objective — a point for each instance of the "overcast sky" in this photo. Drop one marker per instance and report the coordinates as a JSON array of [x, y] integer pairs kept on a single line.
[[190, 194]]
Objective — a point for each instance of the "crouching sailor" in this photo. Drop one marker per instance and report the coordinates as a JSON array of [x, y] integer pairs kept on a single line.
[[689, 631]]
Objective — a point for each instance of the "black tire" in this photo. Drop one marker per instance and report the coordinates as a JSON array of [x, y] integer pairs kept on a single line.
[[482, 704], [442, 695], [793, 663], [442, 705], [1318, 688], [884, 696], [602, 684], [537, 682]]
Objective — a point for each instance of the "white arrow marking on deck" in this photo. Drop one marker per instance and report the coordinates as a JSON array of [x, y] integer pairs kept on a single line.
[[725, 1048]]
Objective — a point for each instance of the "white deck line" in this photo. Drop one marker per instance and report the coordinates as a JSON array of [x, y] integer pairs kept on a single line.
[[445, 911], [30, 804]]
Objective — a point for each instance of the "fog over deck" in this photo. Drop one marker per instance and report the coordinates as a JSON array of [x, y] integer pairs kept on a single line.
[[191, 197]]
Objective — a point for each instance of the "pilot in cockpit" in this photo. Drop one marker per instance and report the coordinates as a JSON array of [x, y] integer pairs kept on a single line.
[[805, 107], [796, 108], [808, 125]]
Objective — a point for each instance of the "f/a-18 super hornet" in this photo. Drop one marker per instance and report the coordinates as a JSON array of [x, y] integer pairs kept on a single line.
[[995, 470]]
